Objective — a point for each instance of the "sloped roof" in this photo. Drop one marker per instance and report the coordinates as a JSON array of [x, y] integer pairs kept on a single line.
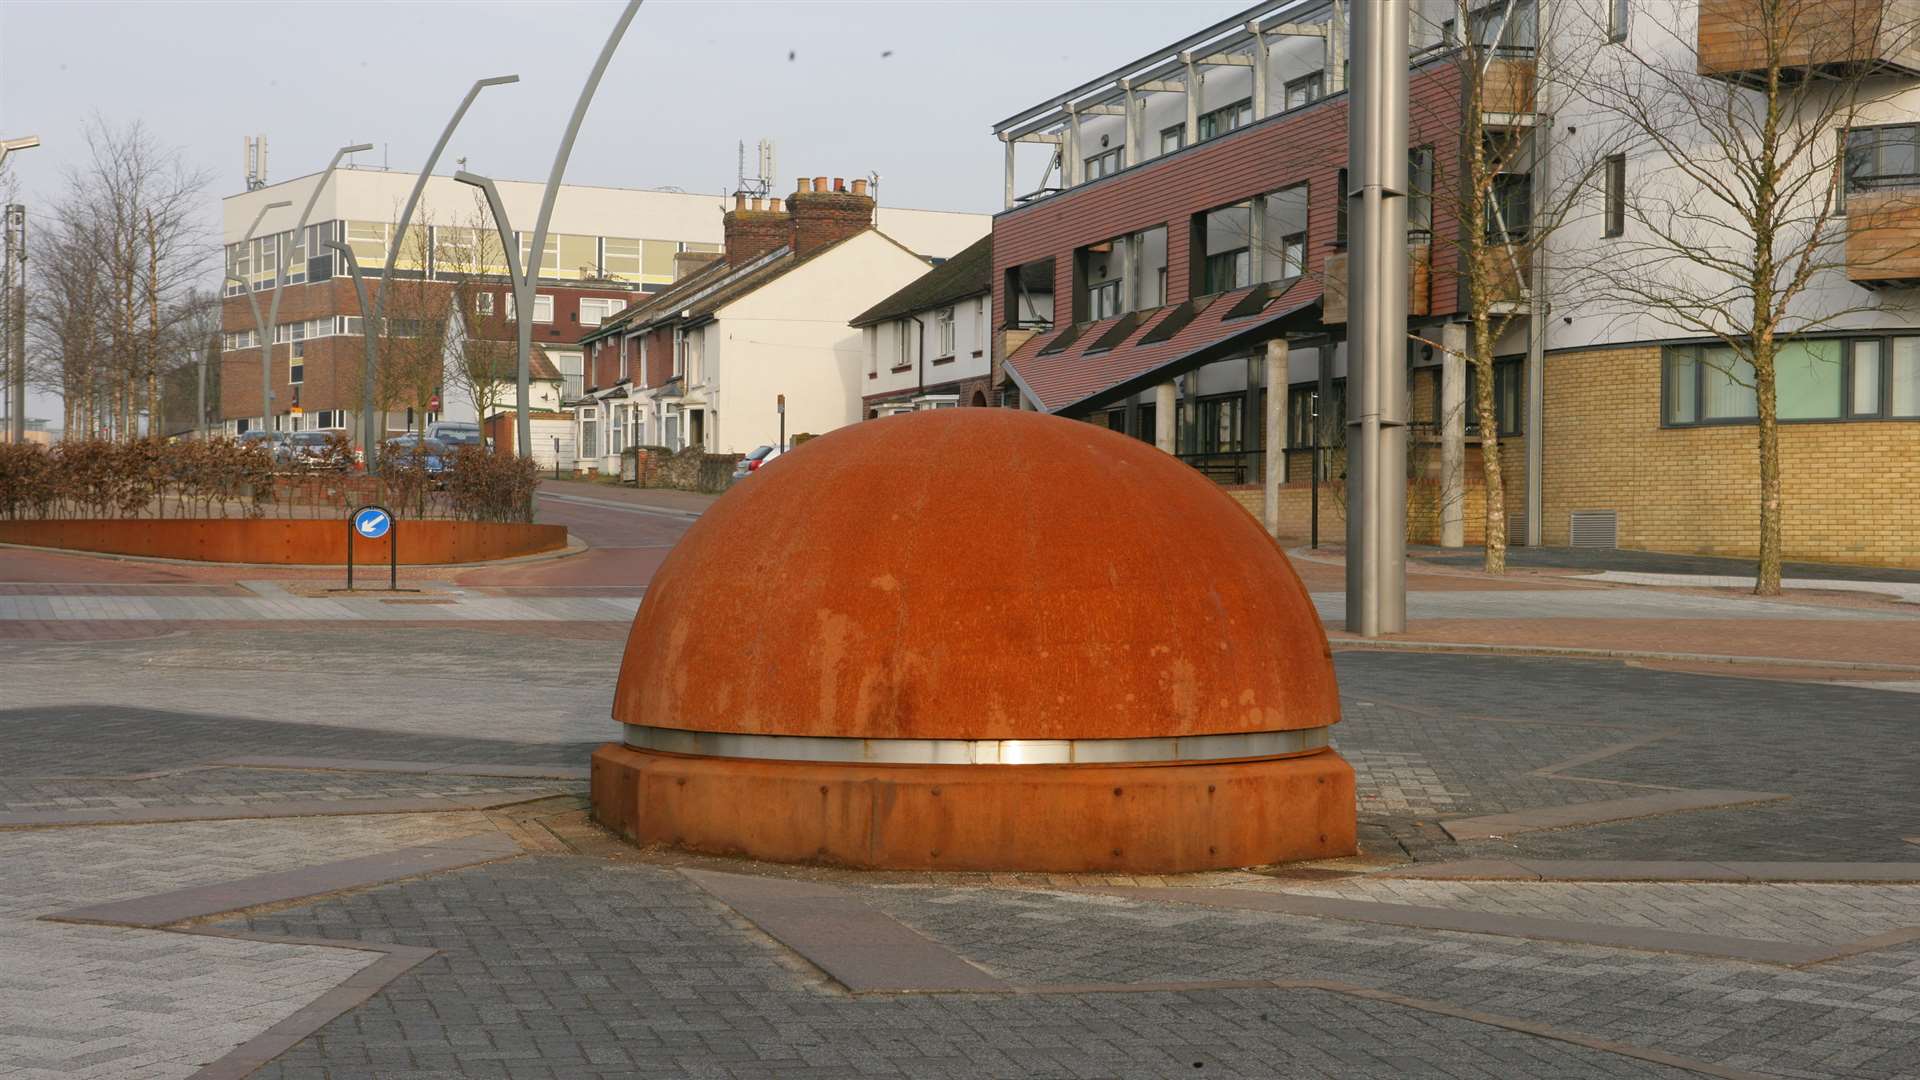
[[540, 366], [969, 273], [1076, 365]]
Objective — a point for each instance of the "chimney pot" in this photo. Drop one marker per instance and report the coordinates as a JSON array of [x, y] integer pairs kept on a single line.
[[840, 184], [820, 184], [804, 185], [739, 200], [774, 205], [859, 187], [756, 202]]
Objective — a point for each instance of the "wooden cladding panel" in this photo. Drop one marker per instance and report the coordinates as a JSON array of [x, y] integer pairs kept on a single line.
[[1419, 284], [1883, 237], [1307, 146], [1509, 87], [1734, 34]]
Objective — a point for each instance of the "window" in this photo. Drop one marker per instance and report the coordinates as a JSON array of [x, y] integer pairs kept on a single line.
[[589, 433], [1616, 195], [1419, 194], [1616, 20], [1866, 378], [1340, 209], [1173, 138], [1226, 270], [1305, 90], [1226, 118], [620, 257], [1293, 255], [1220, 428], [1509, 208], [594, 310], [1105, 163], [943, 321], [1305, 411], [1103, 300], [549, 258], [542, 307], [979, 325], [572, 378], [296, 371], [1509, 381], [483, 303], [297, 353], [903, 345], [1880, 158]]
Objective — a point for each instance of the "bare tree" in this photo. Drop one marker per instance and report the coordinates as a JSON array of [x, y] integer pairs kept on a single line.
[[482, 358], [1490, 217], [1735, 224]]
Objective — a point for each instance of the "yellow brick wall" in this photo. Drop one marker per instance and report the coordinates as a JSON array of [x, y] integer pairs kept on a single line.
[[1851, 490], [1423, 511]]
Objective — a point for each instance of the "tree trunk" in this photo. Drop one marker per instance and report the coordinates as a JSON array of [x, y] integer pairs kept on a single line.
[[1767, 576]]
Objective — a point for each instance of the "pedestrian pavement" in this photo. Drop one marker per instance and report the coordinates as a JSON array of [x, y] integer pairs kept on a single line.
[[1907, 592]]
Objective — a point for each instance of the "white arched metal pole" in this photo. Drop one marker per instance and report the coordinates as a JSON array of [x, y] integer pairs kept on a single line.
[[523, 391], [370, 320], [522, 295], [280, 262]]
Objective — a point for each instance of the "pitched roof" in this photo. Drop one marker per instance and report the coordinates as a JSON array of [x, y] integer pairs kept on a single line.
[[969, 273], [707, 292], [540, 366], [1092, 362]]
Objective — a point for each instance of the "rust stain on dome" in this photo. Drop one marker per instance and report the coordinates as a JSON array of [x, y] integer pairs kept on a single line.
[[977, 574]]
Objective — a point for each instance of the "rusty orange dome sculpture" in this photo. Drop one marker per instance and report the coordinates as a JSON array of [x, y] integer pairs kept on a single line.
[[979, 639]]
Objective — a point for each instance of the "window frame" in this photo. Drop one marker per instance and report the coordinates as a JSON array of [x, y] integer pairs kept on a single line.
[[1849, 343], [1616, 196], [1107, 162], [1509, 374], [1179, 134], [1238, 114], [1313, 82], [1617, 20], [948, 336]]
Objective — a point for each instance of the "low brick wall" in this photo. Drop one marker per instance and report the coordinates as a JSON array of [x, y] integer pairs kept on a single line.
[[1423, 511], [287, 541]]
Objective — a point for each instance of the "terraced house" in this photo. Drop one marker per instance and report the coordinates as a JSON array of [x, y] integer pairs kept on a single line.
[[1168, 219]]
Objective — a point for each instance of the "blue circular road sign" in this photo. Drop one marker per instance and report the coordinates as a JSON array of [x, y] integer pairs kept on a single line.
[[372, 522]]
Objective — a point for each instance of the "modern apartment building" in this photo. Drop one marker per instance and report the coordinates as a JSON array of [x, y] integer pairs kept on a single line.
[[605, 247], [1187, 208]]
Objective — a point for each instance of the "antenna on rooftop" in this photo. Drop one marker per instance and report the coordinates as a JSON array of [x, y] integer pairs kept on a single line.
[[759, 185], [256, 162]]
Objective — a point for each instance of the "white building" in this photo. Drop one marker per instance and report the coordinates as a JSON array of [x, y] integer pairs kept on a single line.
[[930, 344]]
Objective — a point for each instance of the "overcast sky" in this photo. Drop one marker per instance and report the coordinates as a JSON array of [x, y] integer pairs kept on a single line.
[[906, 89]]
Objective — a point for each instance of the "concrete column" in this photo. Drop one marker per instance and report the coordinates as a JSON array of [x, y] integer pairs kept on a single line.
[[1256, 239], [1276, 431], [1193, 98], [1453, 435], [1336, 53], [1260, 58], [1164, 406], [1133, 156], [1071, 170], [1009, 194]]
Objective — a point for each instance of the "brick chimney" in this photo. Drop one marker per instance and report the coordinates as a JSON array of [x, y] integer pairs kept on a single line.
[[751, 232], [823, 214]]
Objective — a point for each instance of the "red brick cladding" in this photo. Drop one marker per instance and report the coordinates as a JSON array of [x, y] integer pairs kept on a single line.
[[333, 365], [1307, 146], [823, 217], [750, 234]]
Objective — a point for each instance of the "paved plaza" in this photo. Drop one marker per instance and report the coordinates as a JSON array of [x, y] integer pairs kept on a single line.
[[260, 841]]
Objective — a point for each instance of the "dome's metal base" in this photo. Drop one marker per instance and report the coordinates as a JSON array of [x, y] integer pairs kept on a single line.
[[1137, 819]]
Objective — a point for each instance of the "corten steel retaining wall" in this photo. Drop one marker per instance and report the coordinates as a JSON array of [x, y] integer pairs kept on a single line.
[[284, 541]]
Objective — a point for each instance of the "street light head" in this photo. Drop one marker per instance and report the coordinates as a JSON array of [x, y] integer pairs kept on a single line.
[[498, 80], [464, 177], [356, 148], [278, 205], [25, 142]]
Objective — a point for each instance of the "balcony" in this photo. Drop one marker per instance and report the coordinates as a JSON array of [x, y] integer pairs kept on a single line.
[[1419, 284], [1883, 238], [1506, 98], [1735, 35]]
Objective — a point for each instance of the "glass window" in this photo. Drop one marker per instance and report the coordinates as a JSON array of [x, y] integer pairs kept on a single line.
[[579, 256], [1340, 208], [594, 310], [1509, 379], [944, 321], [622, 257], [1103, 301], [1904, 398], [483, 303], [1226, 118], [1105, 163], [1726, 391], [1509, 207], [1419, 192], [1304, 90], [1616, 177], [1683, 385], [1864, 399], [542, 307], [549, 259], [1226, 270], [1173, 138], [1807, 380], [1883, 157], [1616, 20]]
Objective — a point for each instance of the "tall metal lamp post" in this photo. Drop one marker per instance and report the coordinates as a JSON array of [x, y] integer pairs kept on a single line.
[[524, 279], [370, 318], [280, 263], [261, 326], [15, 346], [1377, 349]]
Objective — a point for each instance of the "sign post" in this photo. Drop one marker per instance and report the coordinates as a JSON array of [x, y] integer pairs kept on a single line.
[[374, 522], [780, 406]]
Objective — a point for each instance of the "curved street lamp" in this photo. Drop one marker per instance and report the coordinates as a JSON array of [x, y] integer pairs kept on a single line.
[[523, 280], [261, 326], [280, 263], [370, 320]]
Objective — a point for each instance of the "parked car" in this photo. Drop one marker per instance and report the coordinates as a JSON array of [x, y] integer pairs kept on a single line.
[[274, 441], [313, 450], [454, 432], [755, 459], [435, 457]]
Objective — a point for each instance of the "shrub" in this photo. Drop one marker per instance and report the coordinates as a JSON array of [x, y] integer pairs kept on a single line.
[[485, 486]]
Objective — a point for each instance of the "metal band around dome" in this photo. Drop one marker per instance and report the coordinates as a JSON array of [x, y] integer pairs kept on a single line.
[[829, 748]]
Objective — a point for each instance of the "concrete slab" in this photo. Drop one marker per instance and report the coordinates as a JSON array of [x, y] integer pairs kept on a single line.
[[1496, 826], [864, 950], [182, 905], [438, 768]]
